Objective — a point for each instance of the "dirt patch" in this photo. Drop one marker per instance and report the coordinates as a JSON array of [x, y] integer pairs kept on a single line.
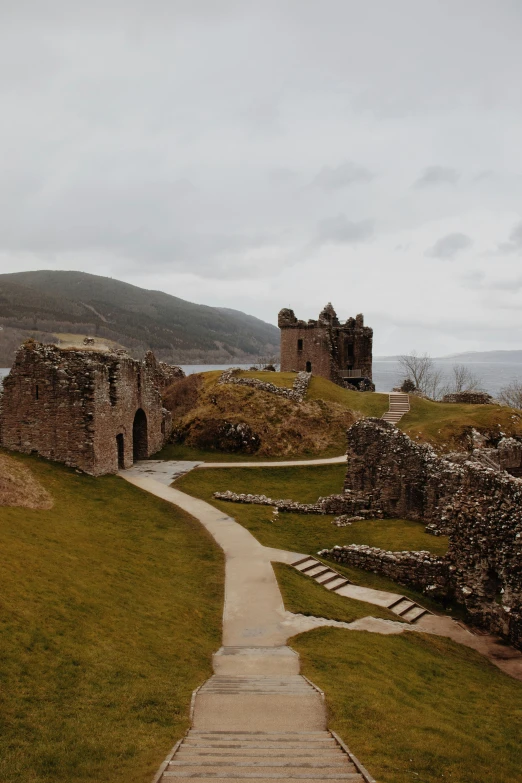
[[18, 486]]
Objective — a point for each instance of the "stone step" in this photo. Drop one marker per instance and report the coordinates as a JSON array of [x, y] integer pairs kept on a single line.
[[337, 583], [186, 751], [415, 613], [326, 577], [404, 607], [341, 761], [301, 565], [262, 778], [266, 745]]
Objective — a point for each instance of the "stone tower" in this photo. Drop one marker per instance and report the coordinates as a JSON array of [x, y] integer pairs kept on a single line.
[[340, 352]]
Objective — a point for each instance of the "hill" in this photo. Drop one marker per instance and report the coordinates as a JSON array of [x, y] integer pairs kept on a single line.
[[50, 303]]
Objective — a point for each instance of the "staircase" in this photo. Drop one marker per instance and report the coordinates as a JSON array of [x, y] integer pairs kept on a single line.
[[244, 756], [399, 405], [324, 575]]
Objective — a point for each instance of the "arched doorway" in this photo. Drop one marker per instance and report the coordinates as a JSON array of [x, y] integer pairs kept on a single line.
[[140, 446]]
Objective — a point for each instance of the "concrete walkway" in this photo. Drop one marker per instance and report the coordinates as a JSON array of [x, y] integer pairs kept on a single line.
[[257, 702], [288, 464]]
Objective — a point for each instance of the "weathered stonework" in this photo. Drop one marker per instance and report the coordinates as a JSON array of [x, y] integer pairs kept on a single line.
[[469, 398], [422, 570], [340, 352], [92, 410], [479, 508], [296, 393]]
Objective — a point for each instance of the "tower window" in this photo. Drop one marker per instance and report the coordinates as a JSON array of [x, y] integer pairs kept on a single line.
[[299, 345]]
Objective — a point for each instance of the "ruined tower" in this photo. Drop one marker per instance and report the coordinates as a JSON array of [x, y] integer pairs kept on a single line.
[[340, 352]]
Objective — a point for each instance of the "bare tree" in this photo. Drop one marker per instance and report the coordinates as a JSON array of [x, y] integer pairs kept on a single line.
[[512, 394], [464, 379], [422, 371]]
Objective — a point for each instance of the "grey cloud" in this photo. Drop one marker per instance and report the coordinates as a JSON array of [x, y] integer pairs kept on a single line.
[[342, 176], [341, 230], [449, 246], [514, 244], [437, 175]]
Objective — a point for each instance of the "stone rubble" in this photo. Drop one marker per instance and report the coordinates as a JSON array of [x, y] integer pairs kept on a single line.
[[333, 504], [296, 393]]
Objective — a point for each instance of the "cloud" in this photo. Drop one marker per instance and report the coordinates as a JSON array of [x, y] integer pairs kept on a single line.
[[437, 175], [341, 230], [342, 176], [514, 244], [449, 246]]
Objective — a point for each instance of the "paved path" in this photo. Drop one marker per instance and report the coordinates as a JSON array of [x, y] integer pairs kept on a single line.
[[288, 464], [257, 704]]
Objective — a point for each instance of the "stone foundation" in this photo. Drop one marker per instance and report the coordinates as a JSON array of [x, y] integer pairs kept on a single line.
[[296, 393]]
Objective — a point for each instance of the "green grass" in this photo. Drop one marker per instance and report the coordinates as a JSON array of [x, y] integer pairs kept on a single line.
[[308, 533], [302, 595], [446, 425], [106, 627], [367, 403], [303, 532], [415, 707], [284, 379]]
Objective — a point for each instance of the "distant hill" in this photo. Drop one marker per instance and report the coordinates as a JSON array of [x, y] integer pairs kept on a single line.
[[469, 357], [50, 303]]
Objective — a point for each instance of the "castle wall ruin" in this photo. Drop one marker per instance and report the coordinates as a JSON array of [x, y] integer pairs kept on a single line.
[[92, 410], [340, 352], [479, 508]]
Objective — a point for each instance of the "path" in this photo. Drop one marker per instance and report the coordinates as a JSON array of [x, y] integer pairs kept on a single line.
[[281, 464], [399, 405], [257, 715]]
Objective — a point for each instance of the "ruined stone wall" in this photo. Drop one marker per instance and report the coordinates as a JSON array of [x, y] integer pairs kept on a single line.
[[480, 509], [469, 398], [422, 570], [329, 346], [71, 405]]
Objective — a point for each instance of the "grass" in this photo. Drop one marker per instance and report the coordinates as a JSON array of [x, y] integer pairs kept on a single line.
[[367, 403], [308, 533], [447, 426], [302, 595], [105, 629], [284, 379], [303, 532], [415, 707]]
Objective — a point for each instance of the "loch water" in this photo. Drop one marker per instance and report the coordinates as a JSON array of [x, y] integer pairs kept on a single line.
[[387, 373]]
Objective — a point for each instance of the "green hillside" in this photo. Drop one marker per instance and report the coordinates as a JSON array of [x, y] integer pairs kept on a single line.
[[176, 330]]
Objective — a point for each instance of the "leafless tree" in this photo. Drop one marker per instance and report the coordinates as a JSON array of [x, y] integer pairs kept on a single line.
[[512, 394], [421, 369], [463, 379]]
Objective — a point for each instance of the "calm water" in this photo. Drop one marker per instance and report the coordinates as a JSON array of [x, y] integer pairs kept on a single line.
[[387, 374]]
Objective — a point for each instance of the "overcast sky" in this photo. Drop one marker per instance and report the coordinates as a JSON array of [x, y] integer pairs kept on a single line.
[[260, 154]]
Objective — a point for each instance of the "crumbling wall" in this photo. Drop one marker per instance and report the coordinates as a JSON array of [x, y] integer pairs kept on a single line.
[[421, 570], [80, 406], [469, 398], [479, 508]]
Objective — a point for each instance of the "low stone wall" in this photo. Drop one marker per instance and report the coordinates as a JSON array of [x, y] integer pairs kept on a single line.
[[421, 570], [469, 398], [333, 504], [296, 393]]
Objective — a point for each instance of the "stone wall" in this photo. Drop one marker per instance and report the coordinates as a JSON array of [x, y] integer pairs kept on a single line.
[[422, 570], [326, 347], [92, 410], [469, 398], [479, 508], [296, 393]]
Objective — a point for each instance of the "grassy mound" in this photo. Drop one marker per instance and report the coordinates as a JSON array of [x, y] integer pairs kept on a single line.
[[202, 411], [417, 707], [448, 427], [19, 487], [105, 629]]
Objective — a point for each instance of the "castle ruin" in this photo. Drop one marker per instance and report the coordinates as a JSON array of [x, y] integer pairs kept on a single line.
[[96, 411], [326, 347]]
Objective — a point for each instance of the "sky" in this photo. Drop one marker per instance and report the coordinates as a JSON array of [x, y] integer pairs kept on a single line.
[[260, 154]]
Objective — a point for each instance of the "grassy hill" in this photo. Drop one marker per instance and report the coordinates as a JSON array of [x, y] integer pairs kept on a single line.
[[106, 627], [317, 426], [176, 330]]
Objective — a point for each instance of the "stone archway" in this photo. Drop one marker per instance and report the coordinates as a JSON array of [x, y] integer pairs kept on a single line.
[[140, 441]]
